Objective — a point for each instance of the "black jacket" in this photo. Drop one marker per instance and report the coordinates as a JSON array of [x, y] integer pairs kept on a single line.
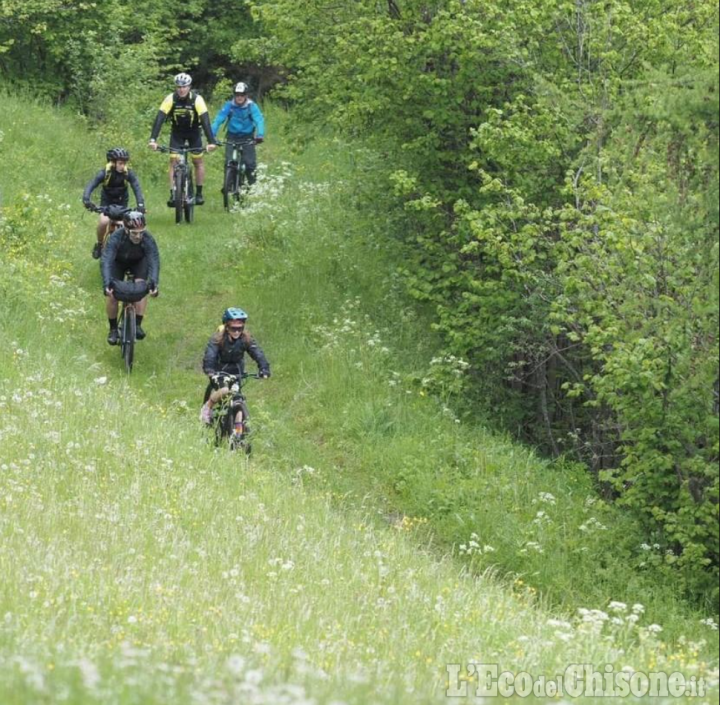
[[115, 187], [225, 355], [120, 248]]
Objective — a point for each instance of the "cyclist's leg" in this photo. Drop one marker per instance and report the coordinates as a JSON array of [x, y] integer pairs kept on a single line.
[[229, 149], [250, 160], [216, 395], [112, 306], [171, 169], [102, 226], [239, 416], [199, 164], [195, 142], [140, 271]]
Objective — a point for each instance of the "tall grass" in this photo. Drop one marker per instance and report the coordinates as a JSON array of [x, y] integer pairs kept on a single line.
[[146, 566]]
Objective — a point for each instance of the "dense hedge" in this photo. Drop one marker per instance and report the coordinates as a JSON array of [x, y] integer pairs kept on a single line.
[[558, 164]]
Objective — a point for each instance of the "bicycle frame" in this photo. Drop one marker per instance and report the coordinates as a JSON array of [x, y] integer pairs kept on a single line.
[[234, 171], [183, 186], [226, 425], [128, 326]]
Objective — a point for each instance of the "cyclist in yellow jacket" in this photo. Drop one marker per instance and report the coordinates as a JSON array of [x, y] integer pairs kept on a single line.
[[187, 113]]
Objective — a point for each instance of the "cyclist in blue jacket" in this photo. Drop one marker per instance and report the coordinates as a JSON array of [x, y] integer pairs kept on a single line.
[[245, 123]]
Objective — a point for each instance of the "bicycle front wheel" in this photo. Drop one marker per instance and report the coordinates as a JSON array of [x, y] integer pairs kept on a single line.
[[223, 427], [230, 184], [179, 187], [127, 342]]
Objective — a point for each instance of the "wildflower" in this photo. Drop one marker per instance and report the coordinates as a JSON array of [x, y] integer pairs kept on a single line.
[[235, 664]]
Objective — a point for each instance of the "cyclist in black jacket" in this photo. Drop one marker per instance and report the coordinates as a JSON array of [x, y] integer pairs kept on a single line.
[[114, 178], [130, 249], [225, 352]]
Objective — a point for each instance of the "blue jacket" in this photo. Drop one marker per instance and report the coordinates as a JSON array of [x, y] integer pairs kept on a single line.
[[245, 121]]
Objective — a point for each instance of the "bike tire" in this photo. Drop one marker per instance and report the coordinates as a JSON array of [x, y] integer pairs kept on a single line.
[[128, 332], [229, 185], [223, 427], [189, 205], [179, 186]]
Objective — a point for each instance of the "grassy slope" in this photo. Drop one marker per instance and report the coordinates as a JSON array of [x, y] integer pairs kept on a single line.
[[142, 557]]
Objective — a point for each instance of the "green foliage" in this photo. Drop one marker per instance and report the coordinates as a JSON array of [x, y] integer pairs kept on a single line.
[[557, 162], [104, 56]]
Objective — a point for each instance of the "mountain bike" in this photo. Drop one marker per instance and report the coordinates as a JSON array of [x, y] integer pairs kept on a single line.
[[230, 421], [128, 292], [183, 184], [234, 172]]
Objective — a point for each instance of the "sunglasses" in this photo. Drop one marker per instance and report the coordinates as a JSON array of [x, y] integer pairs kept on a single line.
[[137, 233], [236, 329]]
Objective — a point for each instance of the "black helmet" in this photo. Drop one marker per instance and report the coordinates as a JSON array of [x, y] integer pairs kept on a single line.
[[134, 220], [117, 153]]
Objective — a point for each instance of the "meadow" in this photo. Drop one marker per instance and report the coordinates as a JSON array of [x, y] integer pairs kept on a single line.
[[374, 537]]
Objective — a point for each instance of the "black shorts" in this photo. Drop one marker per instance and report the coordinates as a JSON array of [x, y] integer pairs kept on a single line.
[[140, 269], [193, 141]]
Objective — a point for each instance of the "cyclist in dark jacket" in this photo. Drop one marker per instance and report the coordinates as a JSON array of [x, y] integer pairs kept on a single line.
[[114, 178], [187, 113], [130, 249], [225, 352]]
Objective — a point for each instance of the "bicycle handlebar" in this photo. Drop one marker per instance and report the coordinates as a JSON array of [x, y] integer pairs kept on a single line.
[[180, 150], [227, 378], [113, 212], [239, 143]]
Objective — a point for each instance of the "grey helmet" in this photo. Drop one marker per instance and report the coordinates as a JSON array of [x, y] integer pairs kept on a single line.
[[183, 79], [241, 88]]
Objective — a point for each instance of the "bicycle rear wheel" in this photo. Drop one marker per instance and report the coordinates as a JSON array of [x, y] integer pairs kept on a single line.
[[189, 205], [128, 330]]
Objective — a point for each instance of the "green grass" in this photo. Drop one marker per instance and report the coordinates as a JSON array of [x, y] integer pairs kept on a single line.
[[145, 566]]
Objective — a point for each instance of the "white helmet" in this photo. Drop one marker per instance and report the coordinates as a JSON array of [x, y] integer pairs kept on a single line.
[[241, 88], [183, 79]]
